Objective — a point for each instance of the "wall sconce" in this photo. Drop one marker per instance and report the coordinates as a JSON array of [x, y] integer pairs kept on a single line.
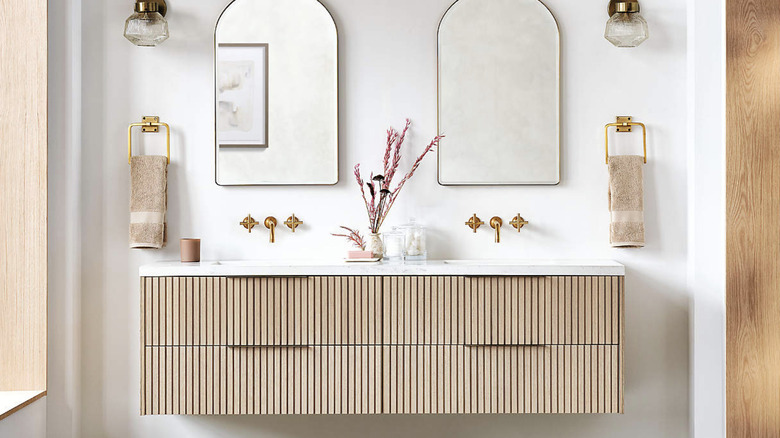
[[626, 26], [147, 26]]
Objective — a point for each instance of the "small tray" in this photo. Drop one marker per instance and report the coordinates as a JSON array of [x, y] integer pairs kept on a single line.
[[371, 260]]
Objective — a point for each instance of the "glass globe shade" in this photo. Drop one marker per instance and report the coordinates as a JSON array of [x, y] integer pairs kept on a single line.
[[626, 29], [146, 29]]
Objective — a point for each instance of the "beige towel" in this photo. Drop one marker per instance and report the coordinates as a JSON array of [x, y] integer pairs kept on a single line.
[[148, 202], [626, 201]]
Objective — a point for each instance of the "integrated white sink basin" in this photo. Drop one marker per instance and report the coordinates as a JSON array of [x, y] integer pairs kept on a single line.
[[490, 262], [281, 268], [270, 263]]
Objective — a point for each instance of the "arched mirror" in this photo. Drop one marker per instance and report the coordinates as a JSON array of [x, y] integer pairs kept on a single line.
[[276, 88], [499, 94]]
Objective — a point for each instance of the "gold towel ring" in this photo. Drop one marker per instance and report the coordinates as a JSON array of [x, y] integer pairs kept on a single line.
[[149, 124], [624, 124]]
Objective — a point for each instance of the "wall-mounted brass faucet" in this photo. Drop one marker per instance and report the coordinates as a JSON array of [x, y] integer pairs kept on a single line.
[[249, 222], [270, 223], [496, 223]]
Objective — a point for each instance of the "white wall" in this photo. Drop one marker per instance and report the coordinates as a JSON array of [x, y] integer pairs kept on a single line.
[[707, 237], [29, 422], [63, 400], [388, 64]]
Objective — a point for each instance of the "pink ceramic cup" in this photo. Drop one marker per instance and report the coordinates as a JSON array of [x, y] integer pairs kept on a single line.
[[190, 250]]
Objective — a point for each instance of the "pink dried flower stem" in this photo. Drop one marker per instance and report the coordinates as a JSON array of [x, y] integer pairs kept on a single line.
[[354, 237], [408, 176], [361, 183], [392, 137], [382, 198], [390, 173]]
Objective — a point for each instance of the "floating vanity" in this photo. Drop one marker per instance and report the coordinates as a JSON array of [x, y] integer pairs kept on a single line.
[[443, 337]]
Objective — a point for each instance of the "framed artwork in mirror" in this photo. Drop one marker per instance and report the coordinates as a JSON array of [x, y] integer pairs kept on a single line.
[[242, 95]]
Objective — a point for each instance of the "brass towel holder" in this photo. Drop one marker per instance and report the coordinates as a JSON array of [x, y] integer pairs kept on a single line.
[[148, 124], [624, 124]]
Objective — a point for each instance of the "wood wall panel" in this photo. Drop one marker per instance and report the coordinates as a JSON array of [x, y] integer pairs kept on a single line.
[[753, 215], [395, 345], [23, 198]]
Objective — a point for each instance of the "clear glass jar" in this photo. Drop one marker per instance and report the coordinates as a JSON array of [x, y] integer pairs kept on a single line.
[[394, 246], [415, 248]]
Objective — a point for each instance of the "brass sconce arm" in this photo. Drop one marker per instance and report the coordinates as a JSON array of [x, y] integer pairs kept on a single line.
[[152, 6], [628, 6]]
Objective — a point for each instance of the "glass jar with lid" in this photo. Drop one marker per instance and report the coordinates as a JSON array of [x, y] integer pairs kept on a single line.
[[415, 248], [394, 246]]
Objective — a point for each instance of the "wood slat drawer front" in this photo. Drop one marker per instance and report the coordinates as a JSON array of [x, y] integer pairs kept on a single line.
[[348, 310], [183, 311], [502, 380], [390, 379], [261, 311], [502, 310], [260, 380]]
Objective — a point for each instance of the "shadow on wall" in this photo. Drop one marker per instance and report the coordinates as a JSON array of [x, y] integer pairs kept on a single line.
[[92, 219]]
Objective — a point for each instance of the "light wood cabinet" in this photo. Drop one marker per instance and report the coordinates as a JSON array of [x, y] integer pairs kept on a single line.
[[381, 345]]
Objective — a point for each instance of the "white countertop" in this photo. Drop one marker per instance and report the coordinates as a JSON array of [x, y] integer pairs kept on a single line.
[[297, 268]]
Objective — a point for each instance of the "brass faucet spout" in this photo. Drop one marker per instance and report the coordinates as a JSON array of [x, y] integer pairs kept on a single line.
[[496, 224], [270, 223]]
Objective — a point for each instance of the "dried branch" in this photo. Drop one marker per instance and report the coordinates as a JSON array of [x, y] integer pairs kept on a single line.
[[362, 190], [353, 237], [382, 197], [433, 144], [396, 155]]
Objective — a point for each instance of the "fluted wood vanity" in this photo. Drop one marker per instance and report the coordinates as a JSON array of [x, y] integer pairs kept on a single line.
[[382, 339]]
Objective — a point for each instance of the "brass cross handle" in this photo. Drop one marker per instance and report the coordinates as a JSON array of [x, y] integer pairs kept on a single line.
[[474, 223], [293, 222], [518, 222], [249, 222]]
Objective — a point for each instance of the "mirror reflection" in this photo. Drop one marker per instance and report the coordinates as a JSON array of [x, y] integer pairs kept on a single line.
[[276, 94], [499, 94]]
